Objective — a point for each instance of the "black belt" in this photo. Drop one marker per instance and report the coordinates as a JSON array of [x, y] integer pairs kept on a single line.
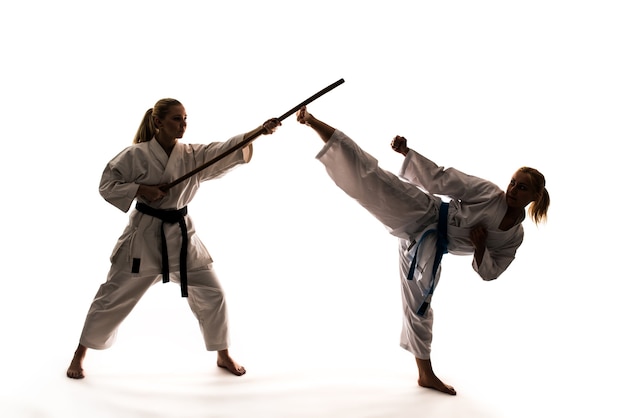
[[170, 217]]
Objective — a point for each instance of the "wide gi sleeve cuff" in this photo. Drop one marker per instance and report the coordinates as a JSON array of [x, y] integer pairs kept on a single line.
[[123, 197], [488, 269]]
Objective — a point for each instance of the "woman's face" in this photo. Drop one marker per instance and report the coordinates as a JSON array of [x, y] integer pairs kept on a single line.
[[519, 193], [173, 125]]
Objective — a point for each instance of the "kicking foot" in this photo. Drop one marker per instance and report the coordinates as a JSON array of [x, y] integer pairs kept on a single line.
[[433, 382], [75, 371], [226, 362]]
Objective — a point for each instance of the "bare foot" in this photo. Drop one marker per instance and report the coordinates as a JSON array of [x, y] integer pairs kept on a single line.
[[433, 382], [75, 371], [428, 379], [226, 362]]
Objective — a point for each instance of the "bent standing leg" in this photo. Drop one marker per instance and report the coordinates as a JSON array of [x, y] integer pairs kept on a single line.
[[417, 329], [208, 304], [114, 300]]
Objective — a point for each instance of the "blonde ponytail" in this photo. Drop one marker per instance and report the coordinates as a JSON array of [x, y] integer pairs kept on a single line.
[[538, 209], [147, 129]]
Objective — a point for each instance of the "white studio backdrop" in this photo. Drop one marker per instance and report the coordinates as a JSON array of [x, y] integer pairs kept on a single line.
[[311, 278]]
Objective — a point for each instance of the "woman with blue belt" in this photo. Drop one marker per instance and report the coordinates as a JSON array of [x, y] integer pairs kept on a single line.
[[479, 219]]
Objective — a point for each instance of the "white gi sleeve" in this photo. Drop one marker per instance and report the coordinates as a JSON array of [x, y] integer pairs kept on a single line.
[[115, 187], [490, 269], [497, 258], [205, 153], [435, 179]]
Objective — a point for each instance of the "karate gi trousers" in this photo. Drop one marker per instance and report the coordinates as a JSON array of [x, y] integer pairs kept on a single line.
[[122, 290], [408, 213]]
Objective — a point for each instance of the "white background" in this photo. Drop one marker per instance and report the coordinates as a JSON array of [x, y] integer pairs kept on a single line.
[[311, 278]]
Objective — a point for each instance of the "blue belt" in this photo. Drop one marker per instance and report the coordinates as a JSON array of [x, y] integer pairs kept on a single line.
[[441, 249]]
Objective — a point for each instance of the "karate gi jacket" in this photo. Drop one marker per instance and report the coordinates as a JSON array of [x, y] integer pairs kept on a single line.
[[147, 163], [474, 201]]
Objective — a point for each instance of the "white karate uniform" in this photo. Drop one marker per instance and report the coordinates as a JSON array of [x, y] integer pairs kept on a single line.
[[136, 258], [409, 207]]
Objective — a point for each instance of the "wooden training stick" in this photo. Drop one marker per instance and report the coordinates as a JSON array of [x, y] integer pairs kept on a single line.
[[251, 138]]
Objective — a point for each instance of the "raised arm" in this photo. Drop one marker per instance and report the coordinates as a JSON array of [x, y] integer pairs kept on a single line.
[[436, 179], [324, 130]]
